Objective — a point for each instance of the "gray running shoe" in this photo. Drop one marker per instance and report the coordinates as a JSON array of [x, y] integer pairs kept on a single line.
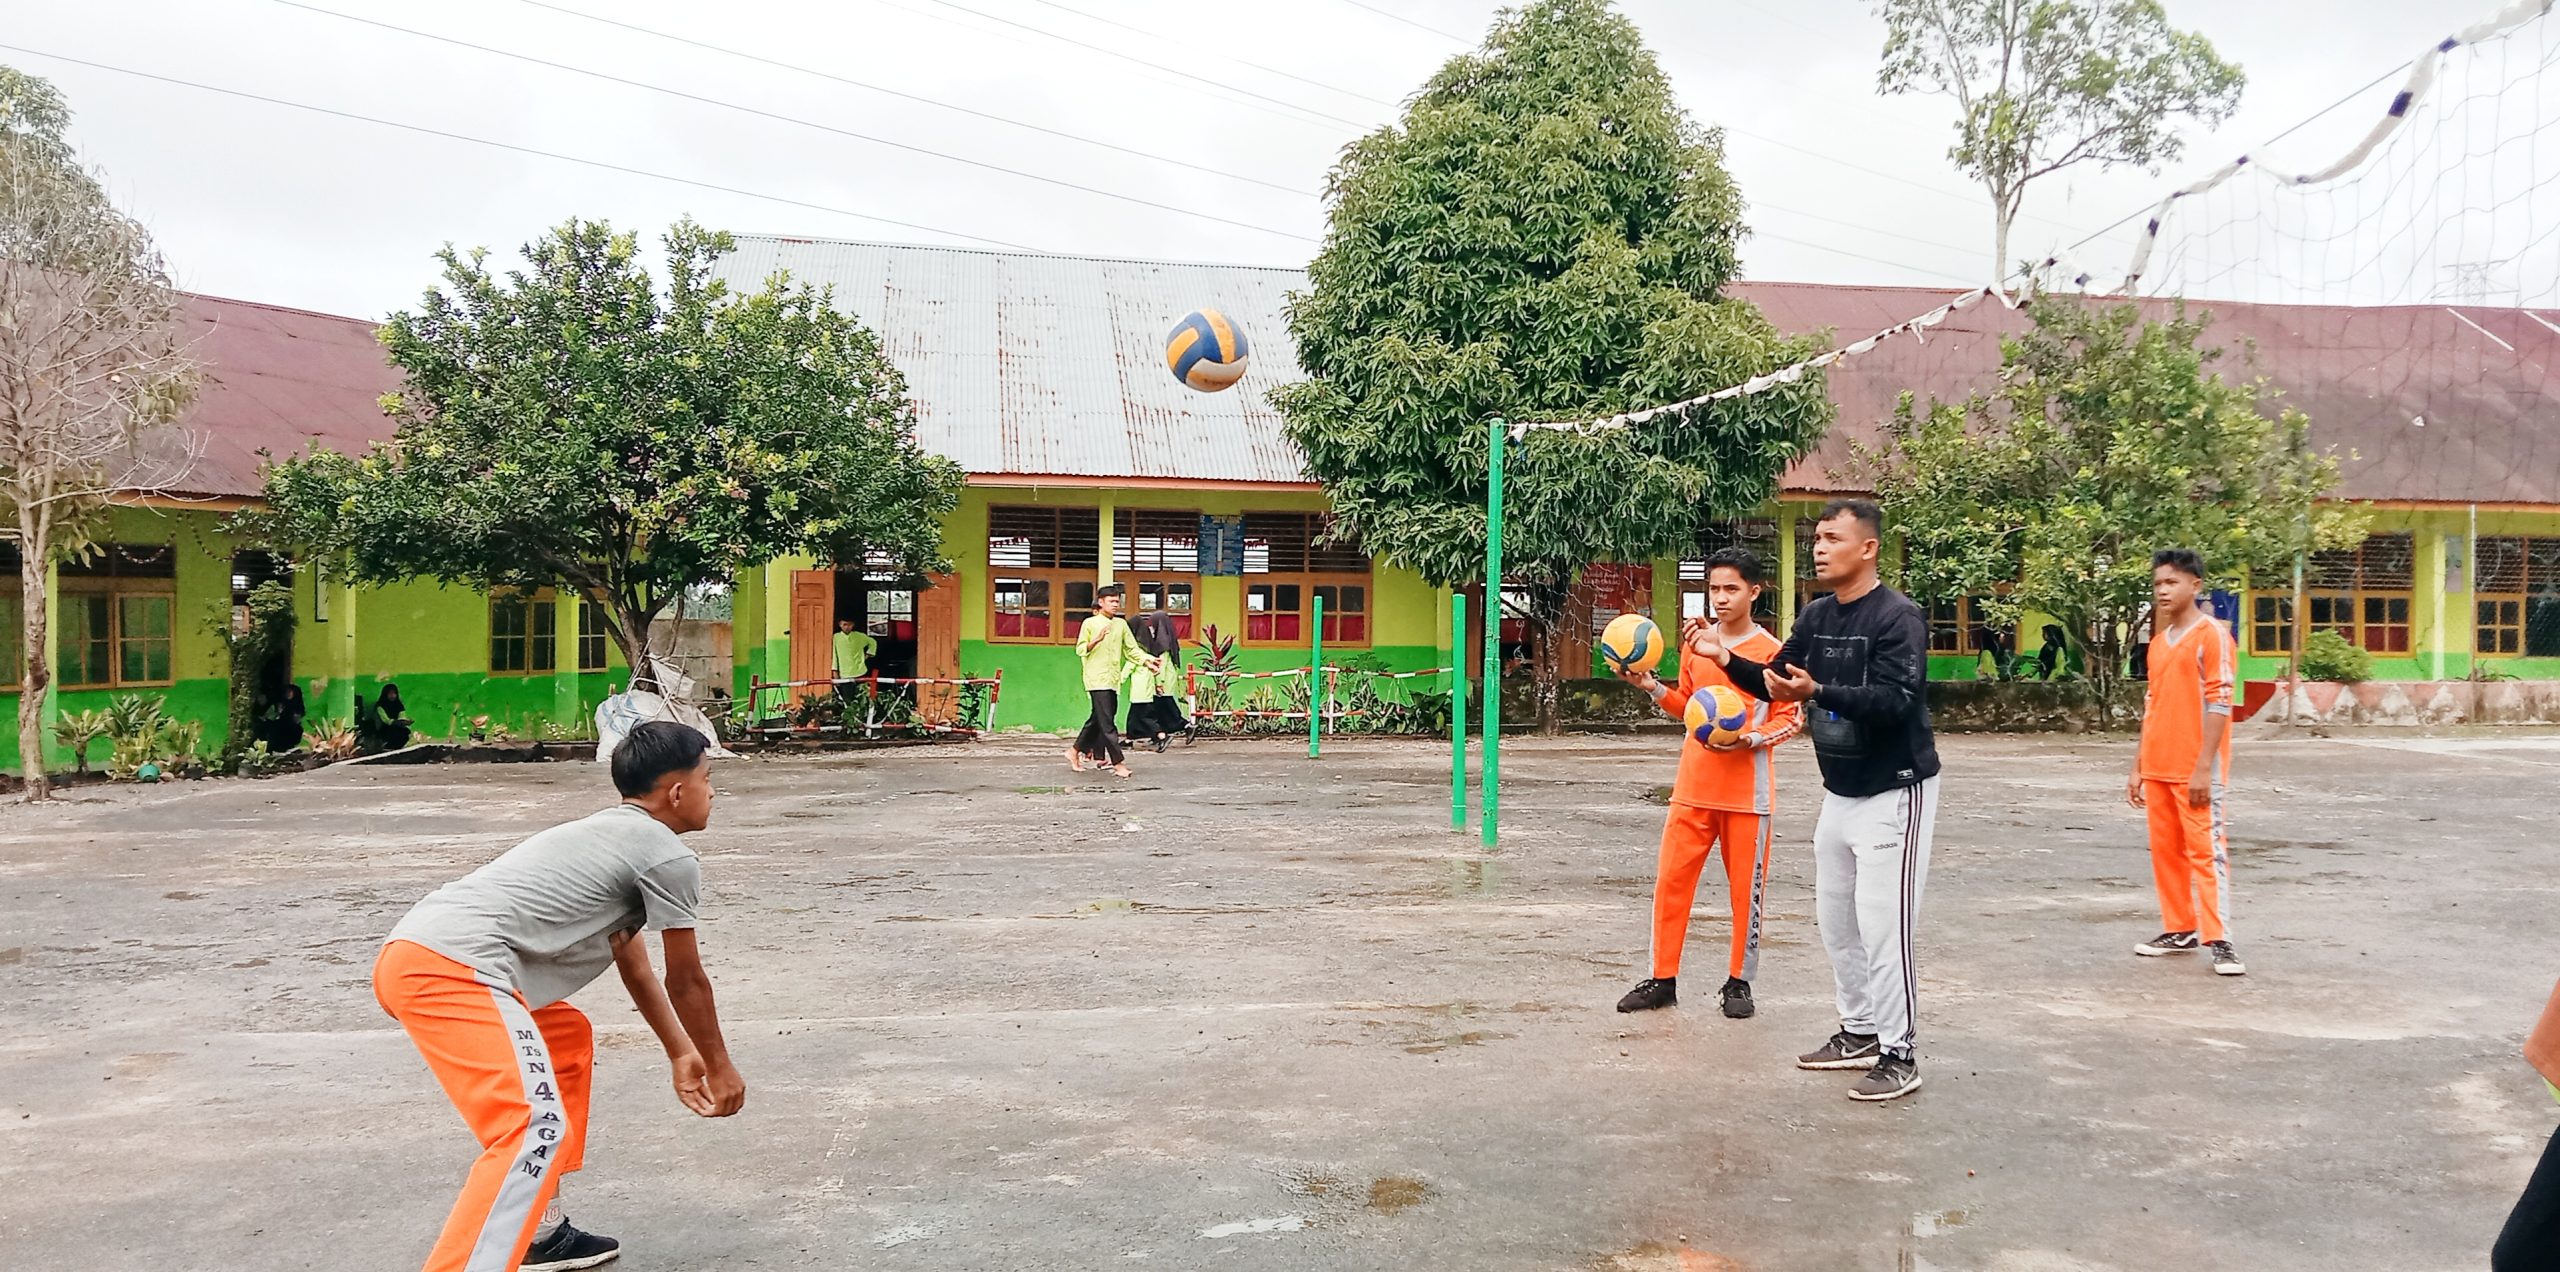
[[2225, 962], [1893, 1078], [1845, 1051], [2167, 943]]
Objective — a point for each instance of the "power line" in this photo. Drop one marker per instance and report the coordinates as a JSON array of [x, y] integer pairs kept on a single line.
[[912, 97], [1139, 61], [805, 123], [1267, 70], [522, 150], [1392, 16], [1860, 256]]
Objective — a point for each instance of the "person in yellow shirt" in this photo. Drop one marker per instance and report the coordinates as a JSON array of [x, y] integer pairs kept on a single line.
[[853, 650], [2183, 762], [1109, 654]]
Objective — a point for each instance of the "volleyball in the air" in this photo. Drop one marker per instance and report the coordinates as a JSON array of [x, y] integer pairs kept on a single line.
[[1631, 643], [1207, 351], [1716, 715]]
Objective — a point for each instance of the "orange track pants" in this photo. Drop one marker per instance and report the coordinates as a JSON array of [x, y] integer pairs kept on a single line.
[[2190, 863], [519, 1077], [1688, 835]]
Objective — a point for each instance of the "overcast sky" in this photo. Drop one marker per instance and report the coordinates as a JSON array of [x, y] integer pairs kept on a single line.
[[271, 203]]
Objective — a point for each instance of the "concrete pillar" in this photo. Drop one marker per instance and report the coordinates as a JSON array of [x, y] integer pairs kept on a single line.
[[1787, 566]]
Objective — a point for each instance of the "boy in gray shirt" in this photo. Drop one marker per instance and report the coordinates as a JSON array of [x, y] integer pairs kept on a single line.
[[478, 972]]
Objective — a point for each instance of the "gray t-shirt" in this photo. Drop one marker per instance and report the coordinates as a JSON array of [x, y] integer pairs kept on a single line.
[[541, 918]]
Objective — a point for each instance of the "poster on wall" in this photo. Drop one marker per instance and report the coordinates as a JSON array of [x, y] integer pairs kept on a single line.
[[1619, 589], [1221, 545]]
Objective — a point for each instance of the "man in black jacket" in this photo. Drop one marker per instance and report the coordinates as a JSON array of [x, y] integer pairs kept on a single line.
[[1858, 659]]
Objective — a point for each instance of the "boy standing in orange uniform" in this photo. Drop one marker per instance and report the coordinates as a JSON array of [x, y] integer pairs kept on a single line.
[[1723, 794], [2185, 758]]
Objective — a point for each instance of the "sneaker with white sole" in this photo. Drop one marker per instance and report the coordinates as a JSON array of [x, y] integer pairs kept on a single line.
[[2225, 961], [567, 1249], [2167, 943], [1845, 1051], [1892, 1078]]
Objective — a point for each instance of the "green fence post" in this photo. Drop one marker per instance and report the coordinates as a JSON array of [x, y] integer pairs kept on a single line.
[[1457, 711], [1493, 640], [1315, 682]]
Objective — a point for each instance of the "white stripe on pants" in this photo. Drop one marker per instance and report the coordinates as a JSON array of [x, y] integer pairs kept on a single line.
[[1870, 858]]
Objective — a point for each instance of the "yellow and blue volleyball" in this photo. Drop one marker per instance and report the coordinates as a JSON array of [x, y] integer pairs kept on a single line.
[[1631, 643], [1716, 715], [1207, 351]]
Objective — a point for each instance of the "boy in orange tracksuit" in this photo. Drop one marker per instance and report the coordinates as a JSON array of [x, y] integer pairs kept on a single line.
[[1723, 794], [477, 974], [2184, 760]]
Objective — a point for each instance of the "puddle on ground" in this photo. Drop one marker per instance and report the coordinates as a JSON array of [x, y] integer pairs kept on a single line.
[[1661, 1256], [1475, 877], [1255, 1227], [1393, 1194], [1039, 790]]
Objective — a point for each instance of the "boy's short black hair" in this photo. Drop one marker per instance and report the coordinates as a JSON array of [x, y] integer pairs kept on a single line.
[[1863, 511], [1110, 589], [651, 752], [1742, 561], [2187, 561]]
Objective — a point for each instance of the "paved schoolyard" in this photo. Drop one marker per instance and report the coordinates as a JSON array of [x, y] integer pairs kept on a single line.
[[1257, 1012]]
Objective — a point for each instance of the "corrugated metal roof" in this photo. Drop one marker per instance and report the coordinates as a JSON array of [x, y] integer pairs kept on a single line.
[[1054, 365]]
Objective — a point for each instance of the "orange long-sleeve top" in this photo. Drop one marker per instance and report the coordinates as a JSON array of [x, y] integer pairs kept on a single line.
[[2190, 679], [1735, 781]]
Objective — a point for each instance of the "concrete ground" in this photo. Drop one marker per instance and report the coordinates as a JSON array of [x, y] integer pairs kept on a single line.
[[1256, 1012]]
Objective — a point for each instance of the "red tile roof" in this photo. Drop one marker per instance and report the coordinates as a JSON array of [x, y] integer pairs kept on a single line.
[[2480, 379], [278, 379]]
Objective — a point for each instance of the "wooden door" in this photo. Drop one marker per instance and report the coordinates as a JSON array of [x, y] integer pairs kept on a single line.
[[813, 627], [938, 647]]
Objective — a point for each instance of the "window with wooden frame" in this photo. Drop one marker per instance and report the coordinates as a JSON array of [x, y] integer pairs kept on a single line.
[[1157, 554], [524, 633], [1759, 535], [594, 646], [2366, 593], [1289, 562], [1951, 626], [116, 618], [2516, 606], [2270, 623], [1807, 586], [1040, 568], [13, 666]]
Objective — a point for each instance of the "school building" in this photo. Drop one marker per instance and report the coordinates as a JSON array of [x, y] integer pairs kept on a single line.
[[1044, 378]]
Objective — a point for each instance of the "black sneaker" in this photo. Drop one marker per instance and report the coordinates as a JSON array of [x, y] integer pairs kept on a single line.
[[1161, 743], [1737, 998], [1892, 1078], [2167, 943], [1650, 994], [1845, 1051], [567, 1248], [2225, 962]]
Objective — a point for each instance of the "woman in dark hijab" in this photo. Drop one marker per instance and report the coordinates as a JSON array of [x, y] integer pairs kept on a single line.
[[384, 724], [281, 725], [1153, 719]]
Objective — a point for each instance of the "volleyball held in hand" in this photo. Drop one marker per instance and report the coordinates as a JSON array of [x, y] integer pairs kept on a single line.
[[1716, 715], [1631, 643], [1206, 351]]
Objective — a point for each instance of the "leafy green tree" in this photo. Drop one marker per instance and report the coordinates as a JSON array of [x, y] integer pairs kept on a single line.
[[1543, 236], [2108, 438], [578, 425], [2041, 85], [93, 369]]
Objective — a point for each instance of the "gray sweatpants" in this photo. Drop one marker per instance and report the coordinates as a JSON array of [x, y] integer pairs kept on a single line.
[[1870, 858]]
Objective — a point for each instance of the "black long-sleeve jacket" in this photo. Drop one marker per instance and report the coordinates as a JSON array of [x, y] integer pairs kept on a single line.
[[1870, 719]]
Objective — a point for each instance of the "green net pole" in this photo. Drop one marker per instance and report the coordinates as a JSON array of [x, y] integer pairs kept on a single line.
[[1493, 639], [1457, 711], [1315, 682]]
